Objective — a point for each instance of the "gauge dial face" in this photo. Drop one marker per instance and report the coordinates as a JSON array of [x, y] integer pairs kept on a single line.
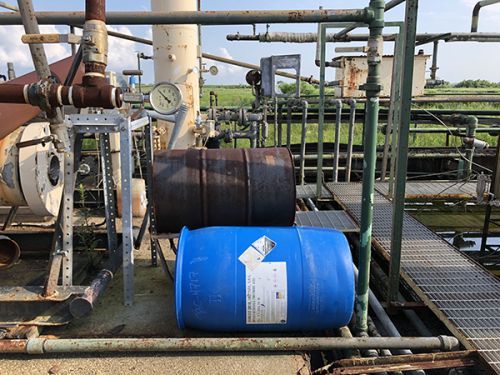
[[165, 98]]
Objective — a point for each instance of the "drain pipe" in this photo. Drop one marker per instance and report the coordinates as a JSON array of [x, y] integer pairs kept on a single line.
[[9, 252], [350, 141], [223, 345], [475, 13], [336, 152], [373, 88]]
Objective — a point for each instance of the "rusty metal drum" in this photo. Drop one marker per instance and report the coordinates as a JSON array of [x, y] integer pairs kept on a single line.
[[223, 187]]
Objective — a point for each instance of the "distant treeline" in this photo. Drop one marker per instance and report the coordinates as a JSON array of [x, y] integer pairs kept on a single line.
[[476, 84]]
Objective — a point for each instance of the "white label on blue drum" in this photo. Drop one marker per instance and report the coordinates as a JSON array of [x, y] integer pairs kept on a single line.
[[266, 294], [264, 245], [251, 258]]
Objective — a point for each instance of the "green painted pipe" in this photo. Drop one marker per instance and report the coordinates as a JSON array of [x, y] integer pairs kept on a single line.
[[373, 88]]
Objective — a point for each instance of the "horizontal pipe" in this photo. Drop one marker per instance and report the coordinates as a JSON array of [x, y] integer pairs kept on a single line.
[[216, 58], [388, 6], [42, 345], [312, 37], [200, 18]]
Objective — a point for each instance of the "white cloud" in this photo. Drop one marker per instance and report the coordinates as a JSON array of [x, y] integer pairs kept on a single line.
[[122, 53], [13, 50], [227, 69]]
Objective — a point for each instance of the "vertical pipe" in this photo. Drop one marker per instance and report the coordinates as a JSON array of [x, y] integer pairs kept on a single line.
[[73, 46], [289, 124], [275, 135], [338, 124], [321, 118], [280, 125], [11, 72], [395, 92], [434, 67], [402, 161], [350, 141], [469, 152], [373, 88], [303, 141], [396, 115]]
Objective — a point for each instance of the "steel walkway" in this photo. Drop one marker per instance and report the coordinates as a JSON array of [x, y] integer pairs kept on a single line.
[[462, 294], [434, 189], [339, 220]]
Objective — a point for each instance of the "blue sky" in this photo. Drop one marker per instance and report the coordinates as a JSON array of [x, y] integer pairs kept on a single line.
[[457, 61]]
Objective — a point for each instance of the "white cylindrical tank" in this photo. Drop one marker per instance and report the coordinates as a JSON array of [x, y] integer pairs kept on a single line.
[[176, 60]]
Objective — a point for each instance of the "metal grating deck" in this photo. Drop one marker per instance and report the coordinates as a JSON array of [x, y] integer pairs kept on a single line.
[[462, 294], [309, 191], [339, 220], [434, 190]]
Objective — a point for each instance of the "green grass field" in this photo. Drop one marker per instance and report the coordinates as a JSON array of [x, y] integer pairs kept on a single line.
[[238, 96]]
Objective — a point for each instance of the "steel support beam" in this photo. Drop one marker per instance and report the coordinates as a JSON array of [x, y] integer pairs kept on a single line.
[[402, 151]]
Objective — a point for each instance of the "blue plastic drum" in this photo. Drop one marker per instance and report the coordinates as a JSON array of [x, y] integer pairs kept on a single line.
[[263, 279]]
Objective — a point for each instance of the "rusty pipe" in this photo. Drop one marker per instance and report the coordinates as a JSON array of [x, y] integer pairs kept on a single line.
[[9, 252], [46, 345], [47, 94], [95, 10], [95, 43]]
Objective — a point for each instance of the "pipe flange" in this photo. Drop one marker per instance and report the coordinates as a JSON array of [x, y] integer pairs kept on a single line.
[[41, 172]]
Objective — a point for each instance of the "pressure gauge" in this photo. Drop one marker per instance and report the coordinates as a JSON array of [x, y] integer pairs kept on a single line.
[[165, 98]]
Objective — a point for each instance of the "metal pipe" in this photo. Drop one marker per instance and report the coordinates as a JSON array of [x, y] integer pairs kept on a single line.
[[303, 141], [350, 141], [256, 67], [475, 13], [321, 122], [11, 72], [391, 4], [424, 38], [216, 58], [234, 17], [434, 67], [289, 126], [402, 158], [383, 318], [3, 4], [44, 345], [336, 152], [9, 252], [373, 88]]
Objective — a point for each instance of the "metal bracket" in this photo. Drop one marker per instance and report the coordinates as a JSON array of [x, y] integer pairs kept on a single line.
[[270, 65]]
